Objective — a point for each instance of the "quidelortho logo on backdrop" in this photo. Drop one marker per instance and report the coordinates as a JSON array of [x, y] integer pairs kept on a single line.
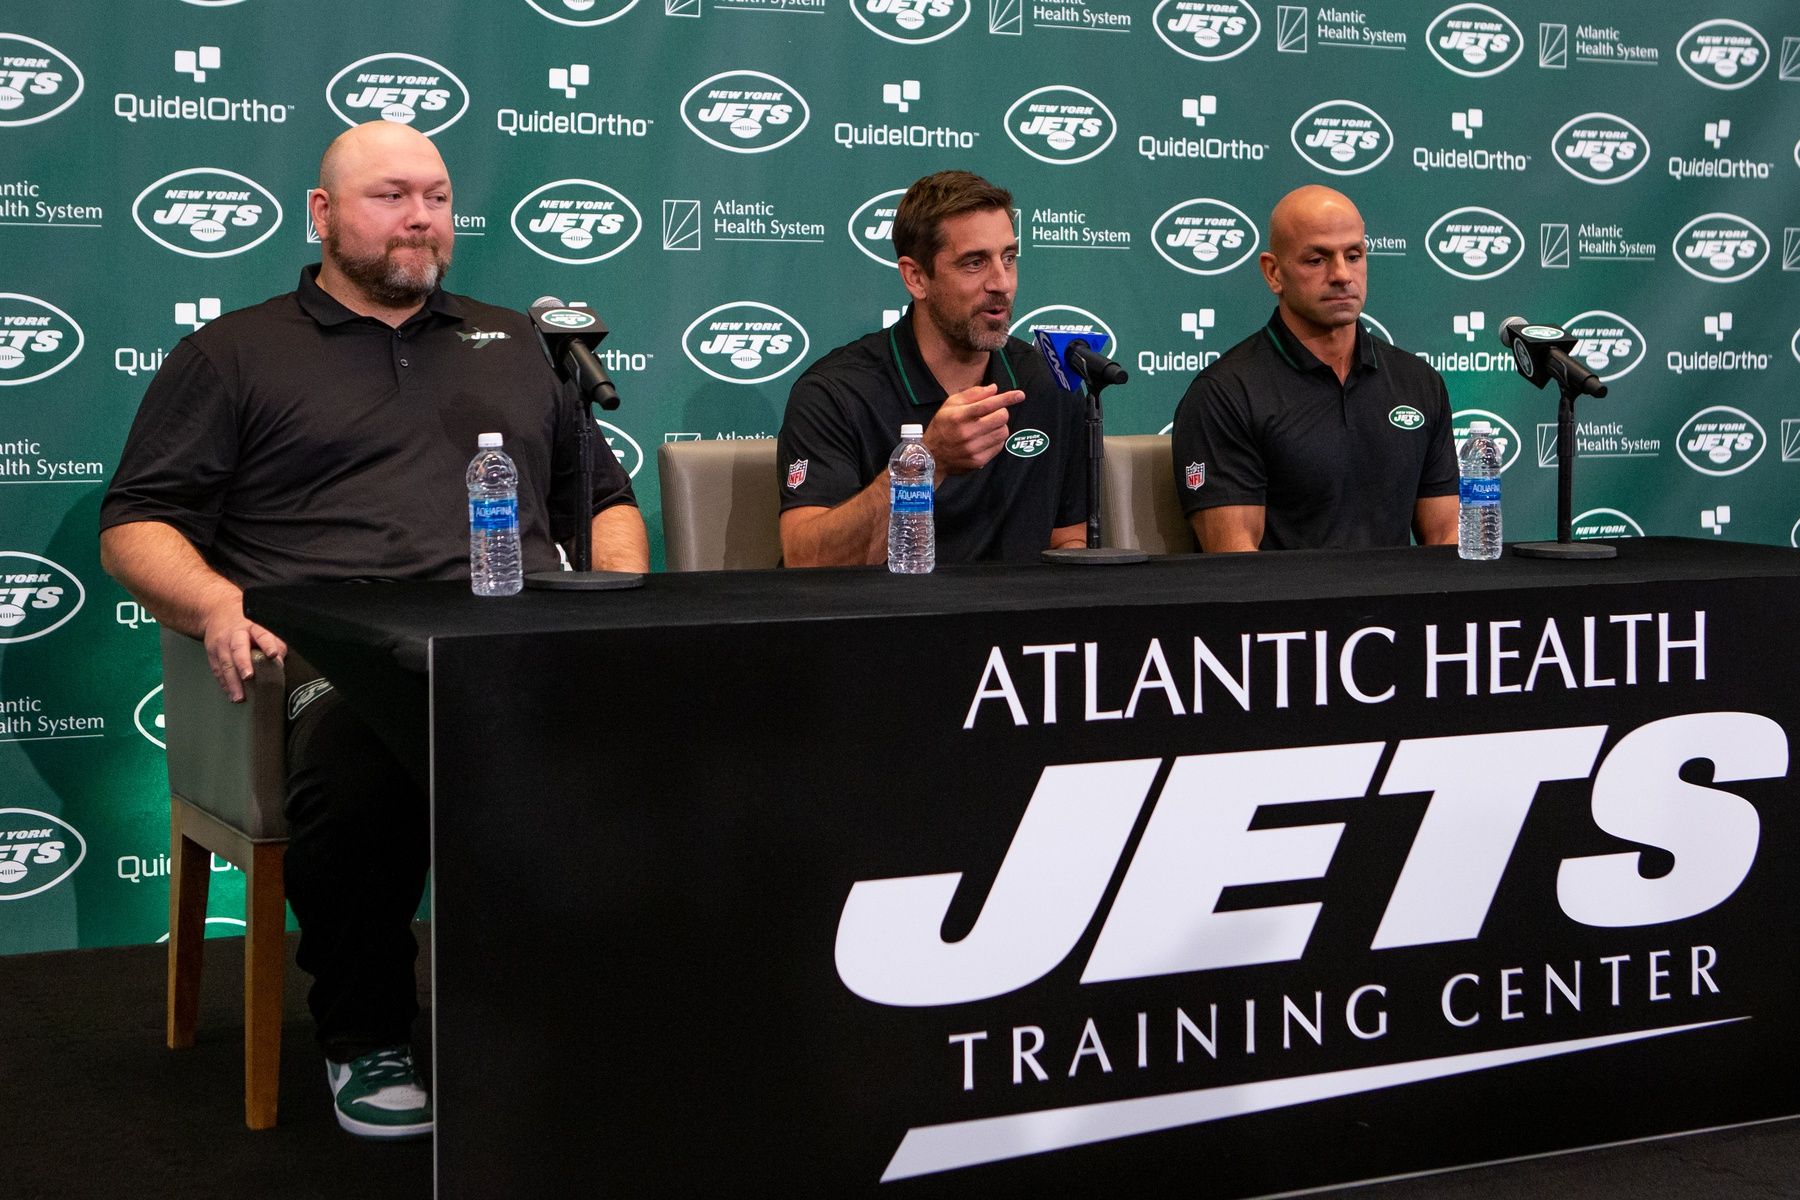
[[37, 596], [583, 12], [745, 112], [1720, 440], [576, 221], [1205, 236], [745, 342], [1209, 30], [1721, 248], [403, 88], [1600, 148], [1474, 40], [37, 81], [207, 212], [1474, 243], [913, 22], [872, 227], [1606, 343], [1723, 54], [37, 339], [1342, 137], [1060, 125], [1505, 436], [37, 852]]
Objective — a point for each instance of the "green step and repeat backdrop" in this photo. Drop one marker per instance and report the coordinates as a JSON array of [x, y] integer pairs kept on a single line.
[[716, 177]]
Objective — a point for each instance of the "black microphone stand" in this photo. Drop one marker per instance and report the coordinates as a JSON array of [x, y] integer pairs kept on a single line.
[[1093, 554], [591, 386], [1565, 546]]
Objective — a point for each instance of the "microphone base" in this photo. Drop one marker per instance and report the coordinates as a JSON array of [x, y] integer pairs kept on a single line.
[[583, 581], [1097, 556], [1565, 550]]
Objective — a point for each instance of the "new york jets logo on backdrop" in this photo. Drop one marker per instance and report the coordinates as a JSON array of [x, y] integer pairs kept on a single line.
[[1205, 237], [1721, 248], [1208, 30], [583, 12], [37, 596], [912, 21], [1474, 243], [403, 88], [872, 226], [1474, 40], [1060, 125], [745, 112], [576, 221], [1604, 523], [745, 342], [207, 212], [1721, 440], [37, 81], [37, 339], [1066, 317], [37, 852], [149, 719], [1342, 137], [1377, 328], [1723, 54], [1600, 148], [624, 447], [1606, 343]]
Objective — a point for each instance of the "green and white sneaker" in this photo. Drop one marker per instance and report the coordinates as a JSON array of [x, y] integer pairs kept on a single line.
[[379, 1095]]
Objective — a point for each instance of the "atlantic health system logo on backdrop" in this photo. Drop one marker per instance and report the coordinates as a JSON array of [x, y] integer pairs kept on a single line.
[[745, 342], [576, 221], [912, 21], [402, 88], [1721, 247], [1208, 30], [207, 212], [1205, 237], [1723, 54], [1474, 243], [1060, 125], [1342, 137], [745, 112], [1474, 40], [37, 81], [37, 339]]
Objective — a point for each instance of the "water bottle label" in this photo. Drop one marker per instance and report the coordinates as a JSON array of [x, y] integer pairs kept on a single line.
[[912, 498], [493, 513], [1480, 492]]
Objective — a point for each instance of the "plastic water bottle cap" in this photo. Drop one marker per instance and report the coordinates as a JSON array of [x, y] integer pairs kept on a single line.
[[912, 431], [1480, 427], [489, 441]]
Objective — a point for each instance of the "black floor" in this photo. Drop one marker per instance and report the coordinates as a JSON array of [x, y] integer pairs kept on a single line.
[[93, 1105]]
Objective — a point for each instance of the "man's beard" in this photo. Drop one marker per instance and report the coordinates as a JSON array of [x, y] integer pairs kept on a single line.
[[970, 333], [385, 279]]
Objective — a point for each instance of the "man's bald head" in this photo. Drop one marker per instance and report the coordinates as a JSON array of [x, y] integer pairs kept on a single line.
[[363, 147], [1303, 209]]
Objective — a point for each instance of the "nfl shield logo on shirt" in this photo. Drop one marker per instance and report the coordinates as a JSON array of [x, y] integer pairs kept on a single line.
[[796, 473], [1196, 476]]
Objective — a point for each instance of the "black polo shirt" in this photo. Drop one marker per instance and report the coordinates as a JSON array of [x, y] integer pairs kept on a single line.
[[1331, 464], [843, 421], [297, 442]]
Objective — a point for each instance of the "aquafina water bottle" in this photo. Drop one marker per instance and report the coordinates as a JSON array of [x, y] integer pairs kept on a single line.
[[912, 535], [494, 565], [1478, 514]]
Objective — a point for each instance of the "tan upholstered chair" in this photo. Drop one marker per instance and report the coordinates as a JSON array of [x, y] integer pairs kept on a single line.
[[1139, 509], [227, 781], [721, 504]]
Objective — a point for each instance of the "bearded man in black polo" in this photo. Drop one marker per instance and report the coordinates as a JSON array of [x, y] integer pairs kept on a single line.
[[1312, 431]]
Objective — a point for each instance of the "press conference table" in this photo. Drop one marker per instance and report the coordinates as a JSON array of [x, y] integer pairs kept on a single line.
[[1318, 850]]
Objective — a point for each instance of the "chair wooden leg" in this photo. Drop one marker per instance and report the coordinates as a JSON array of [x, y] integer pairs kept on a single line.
[[188, 881], [265, 962]]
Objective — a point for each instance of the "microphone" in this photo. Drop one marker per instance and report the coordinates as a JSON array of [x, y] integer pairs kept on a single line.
[[1541, 353], [1073, 355], [569, 335]]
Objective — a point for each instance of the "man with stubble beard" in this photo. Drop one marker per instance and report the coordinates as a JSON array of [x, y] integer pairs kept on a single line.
[[323, 436], [1313, 432], [1008, 442]]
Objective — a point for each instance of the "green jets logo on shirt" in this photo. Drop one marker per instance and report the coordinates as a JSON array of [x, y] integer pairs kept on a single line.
[[1028, 443], [1405, 416]]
